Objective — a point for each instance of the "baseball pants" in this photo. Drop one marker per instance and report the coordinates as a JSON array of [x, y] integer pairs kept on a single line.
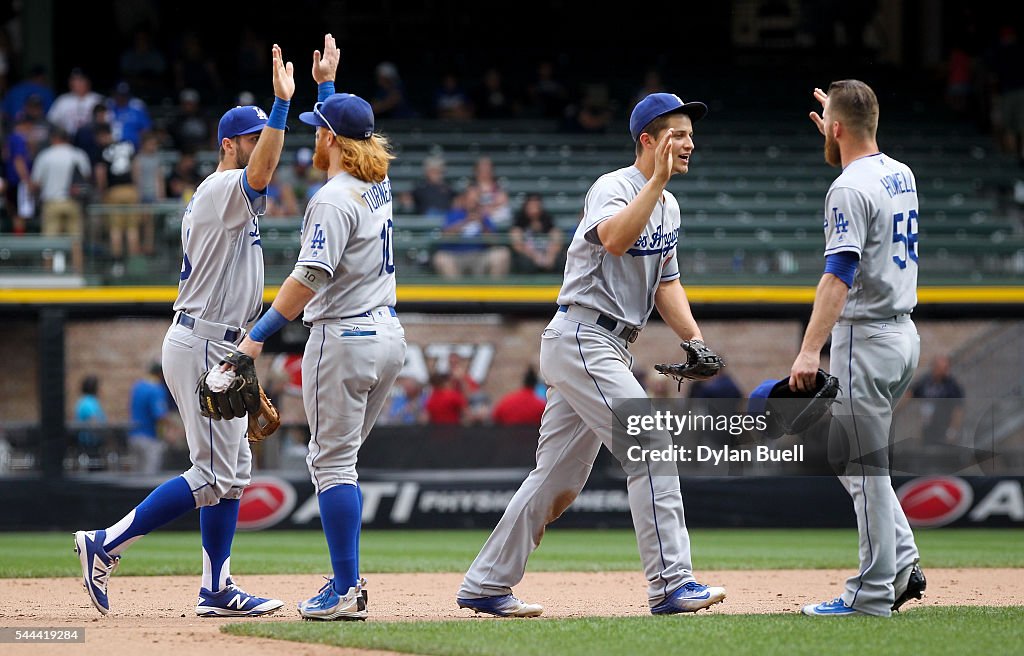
[[875, 364], [587, 368]]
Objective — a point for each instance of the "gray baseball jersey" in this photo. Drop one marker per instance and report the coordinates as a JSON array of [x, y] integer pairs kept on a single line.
[[586, 367], [222, 267], [347, 231], [871, 210], [221, 286], [621, 287]]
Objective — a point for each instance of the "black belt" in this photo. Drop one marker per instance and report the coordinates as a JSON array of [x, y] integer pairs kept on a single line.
[[629, 333], [230, 334]]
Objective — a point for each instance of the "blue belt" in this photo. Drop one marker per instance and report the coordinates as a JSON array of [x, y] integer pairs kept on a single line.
[[628, 333], [230, 334], [369, 313]]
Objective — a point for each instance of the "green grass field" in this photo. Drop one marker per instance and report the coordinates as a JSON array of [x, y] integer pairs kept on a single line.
[[950, 630], [304, 552], [934, 630]]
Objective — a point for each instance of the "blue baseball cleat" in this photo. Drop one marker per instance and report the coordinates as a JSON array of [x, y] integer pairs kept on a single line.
[[97, 566], [500, 606], [835, 608], [232, 601], [689, 598], [328, 605]]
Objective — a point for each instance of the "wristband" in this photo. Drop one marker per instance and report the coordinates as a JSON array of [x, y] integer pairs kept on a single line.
[[278, 114], [269, 323], [324, 90]]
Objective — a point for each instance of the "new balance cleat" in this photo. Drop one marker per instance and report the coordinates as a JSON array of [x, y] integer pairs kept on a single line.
[[689, 598], [232, 601], [97, 566], [501, 606], [328, 605]]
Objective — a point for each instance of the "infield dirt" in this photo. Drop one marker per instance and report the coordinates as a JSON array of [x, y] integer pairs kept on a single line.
[[154, 615]]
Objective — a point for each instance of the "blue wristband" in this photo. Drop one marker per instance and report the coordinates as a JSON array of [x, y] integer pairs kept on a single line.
[[324, 90], [269, 323], [278, 114]]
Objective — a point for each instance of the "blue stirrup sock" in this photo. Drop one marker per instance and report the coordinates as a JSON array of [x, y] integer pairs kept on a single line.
[[341, 517], [164, 504], [217, 525]]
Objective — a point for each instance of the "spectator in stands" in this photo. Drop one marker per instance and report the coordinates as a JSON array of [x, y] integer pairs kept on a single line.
[[148, 411], [432, 195], [389, 100], [1008, 85], [73, 109], [194, 69], [446, 404], [652, 84], [592, 114], [39, 133], [720, 397], [493, 198], [521, 407], [184, 177], [548, 96], [479, 411], [128, 115], [149, 177], [451, 101], [85, 138], [408, 403], [941, 405], [53, 174], [89, 411], [191, 127], [536, 241], [21, 206], [492, 100], [34, 85], [144, 67], [465, 252], [114, 174]]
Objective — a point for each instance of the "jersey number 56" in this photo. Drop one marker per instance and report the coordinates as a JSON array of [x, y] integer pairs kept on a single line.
[[905, 233]]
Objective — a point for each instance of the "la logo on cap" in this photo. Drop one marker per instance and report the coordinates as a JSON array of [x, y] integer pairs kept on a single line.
[[260, 114]]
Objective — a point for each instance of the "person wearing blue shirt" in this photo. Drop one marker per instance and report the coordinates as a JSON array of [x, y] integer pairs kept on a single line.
[[88, 410], [148, 408], [34, 85], [465, 250], [129, 118]]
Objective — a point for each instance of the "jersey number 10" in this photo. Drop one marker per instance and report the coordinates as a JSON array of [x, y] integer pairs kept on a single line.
[[907, 235], [387, 264]]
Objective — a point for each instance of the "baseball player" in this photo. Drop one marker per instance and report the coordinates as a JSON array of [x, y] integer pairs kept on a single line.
[[344, 280], [220, 291], [620, 264], [864, 300]]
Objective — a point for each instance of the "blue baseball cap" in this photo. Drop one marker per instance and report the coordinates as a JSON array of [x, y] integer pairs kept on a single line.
[[759, 397], [659, 104], [343, 114], [244, 119]]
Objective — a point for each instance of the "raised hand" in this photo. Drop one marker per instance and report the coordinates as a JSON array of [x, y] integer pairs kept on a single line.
[[325, 66], [819, 122], [663, 158], [284, 75]]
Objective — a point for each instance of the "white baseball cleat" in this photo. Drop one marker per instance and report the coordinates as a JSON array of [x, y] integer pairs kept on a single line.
[[501, 606], [689, 598]]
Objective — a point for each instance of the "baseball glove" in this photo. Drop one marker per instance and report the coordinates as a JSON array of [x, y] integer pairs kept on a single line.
[[701, 363], [230, 394], [797, 411]]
